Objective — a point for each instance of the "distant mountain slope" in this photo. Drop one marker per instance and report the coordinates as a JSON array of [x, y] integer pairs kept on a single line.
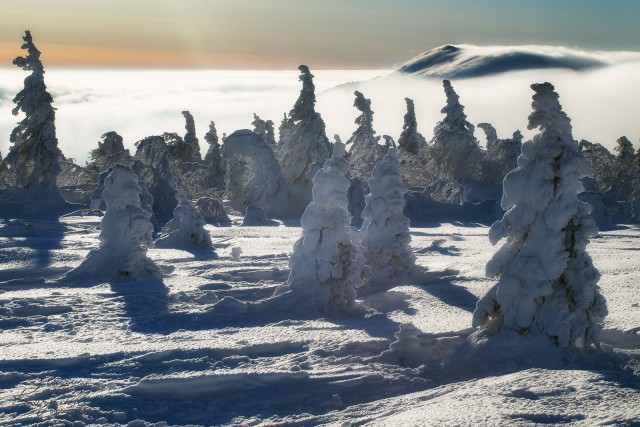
[[474, 61]]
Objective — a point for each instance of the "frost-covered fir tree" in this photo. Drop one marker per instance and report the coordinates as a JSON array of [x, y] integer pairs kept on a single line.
[[327, 265], [110, 150], [364, 151], [125, 234], [501, 155], [387, 240], [605, 168], [213, 158], [267, 187], [164, 182], [547, 283], [186, 229], [191, 139], [454, 151], [34, 157], [410, 139], [265, 130], [625, 150], [303, 140], [5, 175]]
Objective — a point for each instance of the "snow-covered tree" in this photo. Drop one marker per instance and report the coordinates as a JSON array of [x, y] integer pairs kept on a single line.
[[501, 156], [110, 150], [454, 151], [547, 282], [34, 157], [327, 265], [213, 158], [365, 151], [303, 140], [191, 139], [265, 130], [387, 240], [125, 234], [625, 150], [185, 230], [5, 175], [604, 166], [410, 139], [163, 184], [267, 188]]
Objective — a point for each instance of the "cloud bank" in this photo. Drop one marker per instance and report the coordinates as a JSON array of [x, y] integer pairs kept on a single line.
[[137, 104]]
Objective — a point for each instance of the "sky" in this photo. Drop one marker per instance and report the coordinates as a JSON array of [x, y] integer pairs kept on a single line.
[[280, 34]]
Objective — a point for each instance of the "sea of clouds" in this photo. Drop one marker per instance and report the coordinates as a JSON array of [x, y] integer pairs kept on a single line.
[[602, 102]]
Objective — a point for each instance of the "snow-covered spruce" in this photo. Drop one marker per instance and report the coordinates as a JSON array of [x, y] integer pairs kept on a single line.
[[454, 151], [96, 201], [213, 159], [410, 139], [125, 234], [34, 157], [387, 241], [264, 129], [186, 229], [267, 187], [364, 150], [327, 265], [303, 140], [110, 150], [164, 182], [604, 166], [191, 139], [501, 156], [547, 282]]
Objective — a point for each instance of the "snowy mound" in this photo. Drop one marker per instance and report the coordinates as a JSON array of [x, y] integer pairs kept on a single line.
[[474, 61]]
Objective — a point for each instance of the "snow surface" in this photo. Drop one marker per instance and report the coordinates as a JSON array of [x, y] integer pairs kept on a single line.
[[115, 353]]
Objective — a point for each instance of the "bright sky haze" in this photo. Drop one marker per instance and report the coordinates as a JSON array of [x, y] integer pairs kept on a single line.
[[280, 34]]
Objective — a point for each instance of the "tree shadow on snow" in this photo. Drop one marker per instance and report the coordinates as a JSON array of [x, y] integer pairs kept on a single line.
[[43, 236], [451, 294], [146, 304]]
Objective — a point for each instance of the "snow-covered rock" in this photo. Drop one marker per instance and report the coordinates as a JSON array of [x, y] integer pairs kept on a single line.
[[255, 216], [212, 210], [547, 283]]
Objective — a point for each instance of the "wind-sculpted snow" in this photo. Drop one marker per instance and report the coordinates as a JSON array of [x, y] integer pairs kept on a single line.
[[185, 230], [267, 187], [465, 61], [547, 283]]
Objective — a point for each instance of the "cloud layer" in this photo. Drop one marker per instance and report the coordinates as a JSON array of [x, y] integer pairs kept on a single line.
[[137, 104]]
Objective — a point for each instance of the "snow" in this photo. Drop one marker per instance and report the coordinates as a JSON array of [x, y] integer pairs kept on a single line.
[[149, 351]]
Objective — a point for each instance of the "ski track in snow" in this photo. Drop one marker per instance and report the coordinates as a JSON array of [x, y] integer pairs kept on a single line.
[[156, 351]]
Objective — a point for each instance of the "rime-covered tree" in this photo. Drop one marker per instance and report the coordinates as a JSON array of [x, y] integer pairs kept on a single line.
[[410, 139], [264, 129], [190, 138], [186, 229], [364, 151], [327, 264], [625, 150], [5, 175], [387, 240], [110, 150], [303, 140], [165, 181], [34, 157], [501, 156], [604, 166], [125, 234], [547, 283], [266, 188], [454, 151], [213, 158]]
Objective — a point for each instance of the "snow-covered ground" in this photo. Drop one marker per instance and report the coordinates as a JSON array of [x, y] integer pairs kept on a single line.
[[179, 352]]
